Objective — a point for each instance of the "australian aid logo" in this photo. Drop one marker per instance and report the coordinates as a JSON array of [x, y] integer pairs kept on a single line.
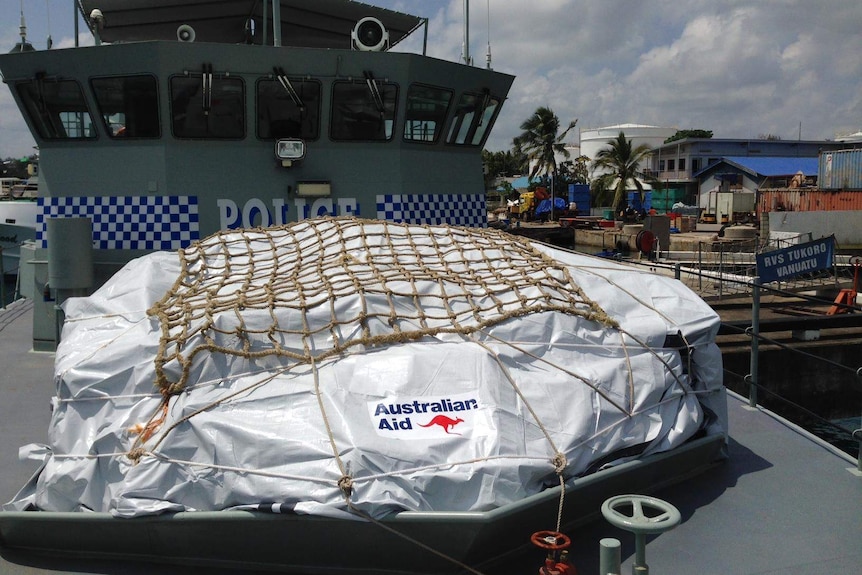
[[427, 417]]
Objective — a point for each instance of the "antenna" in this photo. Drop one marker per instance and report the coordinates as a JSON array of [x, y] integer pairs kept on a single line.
[[50, 41], [465, 48], [488, 53], [22, 29]]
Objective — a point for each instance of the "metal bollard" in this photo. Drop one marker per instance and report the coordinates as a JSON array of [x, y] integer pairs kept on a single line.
[[610, 562]]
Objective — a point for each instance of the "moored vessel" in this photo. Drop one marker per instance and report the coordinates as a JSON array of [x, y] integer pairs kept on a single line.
[[463, 381]]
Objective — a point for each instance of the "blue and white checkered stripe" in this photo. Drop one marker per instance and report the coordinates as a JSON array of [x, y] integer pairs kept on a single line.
[[127, 222], [454, 209]]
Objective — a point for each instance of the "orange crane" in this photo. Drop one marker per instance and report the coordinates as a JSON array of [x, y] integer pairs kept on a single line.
[[847, 297]]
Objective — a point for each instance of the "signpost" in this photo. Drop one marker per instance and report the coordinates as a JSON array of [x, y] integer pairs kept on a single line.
[[787, 263]]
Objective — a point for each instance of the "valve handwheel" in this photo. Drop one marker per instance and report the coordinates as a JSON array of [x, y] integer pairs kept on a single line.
[[552, 540], [639, 521]]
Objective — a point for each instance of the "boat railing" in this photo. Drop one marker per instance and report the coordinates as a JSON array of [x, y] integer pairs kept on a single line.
[[795, 290], [755, 385], [2, 281]]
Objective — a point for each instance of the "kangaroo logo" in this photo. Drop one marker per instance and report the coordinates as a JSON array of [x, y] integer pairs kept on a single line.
[[446, 423]]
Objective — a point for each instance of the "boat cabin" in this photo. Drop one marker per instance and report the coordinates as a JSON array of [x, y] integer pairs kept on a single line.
[[175, 126]]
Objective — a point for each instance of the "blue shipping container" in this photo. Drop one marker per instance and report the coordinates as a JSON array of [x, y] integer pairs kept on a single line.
[[580, 194], [635, 201], [840, 170]]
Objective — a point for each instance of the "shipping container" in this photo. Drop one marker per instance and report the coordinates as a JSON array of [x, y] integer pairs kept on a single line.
[[668, 195], [840, 170], [662, 206], [634, 199], [812, 200], [580, 194]]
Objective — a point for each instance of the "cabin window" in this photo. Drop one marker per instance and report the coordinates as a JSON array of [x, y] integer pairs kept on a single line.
[[427, 107], [208, 107], [128, 106], [288, 108], [57, 109], [363, 111], [473, 118]]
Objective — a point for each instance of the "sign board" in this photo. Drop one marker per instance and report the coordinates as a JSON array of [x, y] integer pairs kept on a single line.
[[787, 263]]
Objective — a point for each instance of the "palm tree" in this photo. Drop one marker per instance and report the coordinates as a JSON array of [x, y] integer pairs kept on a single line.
[[621, 165], [541, 141]]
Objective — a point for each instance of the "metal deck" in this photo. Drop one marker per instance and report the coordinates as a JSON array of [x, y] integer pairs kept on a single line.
[[783, 503]]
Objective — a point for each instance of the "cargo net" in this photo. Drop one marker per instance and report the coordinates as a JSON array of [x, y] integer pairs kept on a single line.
[[315, 289]]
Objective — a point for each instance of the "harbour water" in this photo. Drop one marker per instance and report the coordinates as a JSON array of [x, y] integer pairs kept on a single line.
[[840, 433]]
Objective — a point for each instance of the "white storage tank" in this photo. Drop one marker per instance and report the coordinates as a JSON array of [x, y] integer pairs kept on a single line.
[[595, 139]]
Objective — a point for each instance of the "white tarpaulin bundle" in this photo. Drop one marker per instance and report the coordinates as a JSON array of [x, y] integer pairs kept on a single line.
[[341, 364]]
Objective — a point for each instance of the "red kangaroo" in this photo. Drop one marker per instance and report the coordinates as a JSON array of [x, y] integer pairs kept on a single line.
[[446, 423]]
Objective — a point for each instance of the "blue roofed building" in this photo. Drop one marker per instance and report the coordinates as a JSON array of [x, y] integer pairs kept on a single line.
[[773, 172], [728, 187], [677, 164]]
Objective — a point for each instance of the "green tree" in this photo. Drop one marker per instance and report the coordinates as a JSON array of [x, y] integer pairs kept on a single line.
[[581, 170], [620, 165], [541, 140], [683, 134], [501, 165]]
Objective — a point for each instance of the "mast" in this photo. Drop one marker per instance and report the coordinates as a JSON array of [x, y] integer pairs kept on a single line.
[[466, 47], [75, 11], [276, 23], [22, 28], [488, 53]]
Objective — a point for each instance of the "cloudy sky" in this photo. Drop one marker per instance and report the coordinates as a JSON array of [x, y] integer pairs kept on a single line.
[[740, 68]]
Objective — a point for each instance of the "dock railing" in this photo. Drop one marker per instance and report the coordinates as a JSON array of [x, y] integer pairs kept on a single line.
[[728, 268], [2, 281]]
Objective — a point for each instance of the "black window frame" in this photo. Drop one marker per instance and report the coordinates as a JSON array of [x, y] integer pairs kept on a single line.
[[55, 129], [125, 133], [334, 121], [441, 125], [258, 111], [456, 123], [199, 95]]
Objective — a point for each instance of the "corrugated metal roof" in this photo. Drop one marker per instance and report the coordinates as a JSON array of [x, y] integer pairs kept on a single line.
[[523, 182], [809, 200], [776, 166]]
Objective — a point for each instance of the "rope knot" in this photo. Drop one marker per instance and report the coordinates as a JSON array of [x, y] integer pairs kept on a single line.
[[346, 485], [136, 454], [559, 462], [173, 389]]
